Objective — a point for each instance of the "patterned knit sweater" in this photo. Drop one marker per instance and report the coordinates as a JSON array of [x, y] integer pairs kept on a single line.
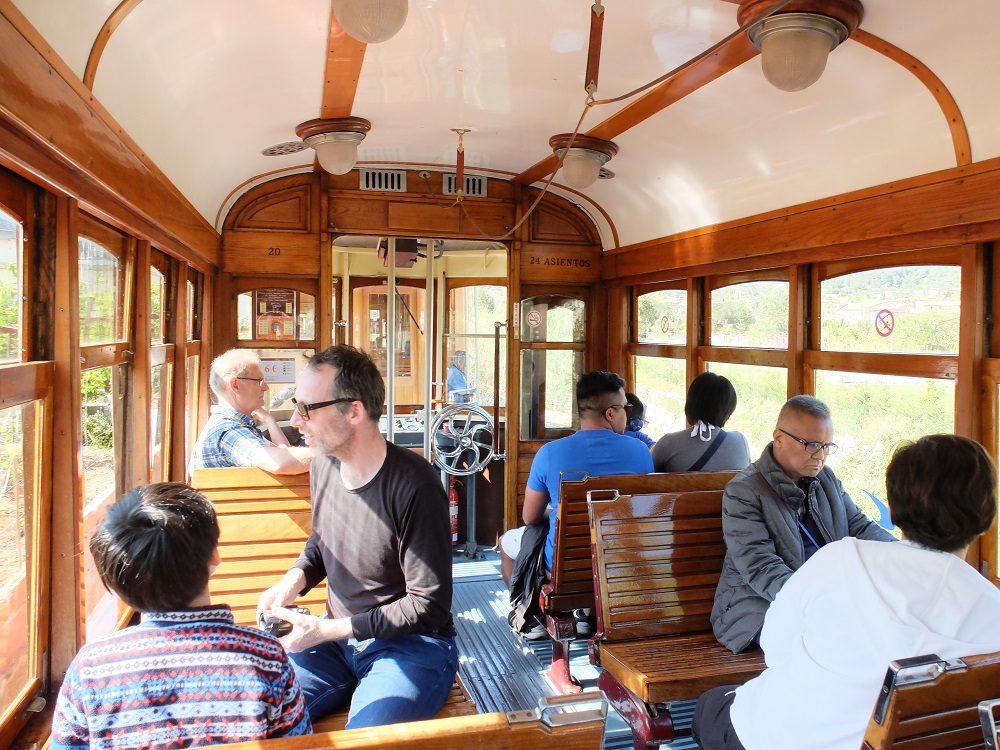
[[179, 679]]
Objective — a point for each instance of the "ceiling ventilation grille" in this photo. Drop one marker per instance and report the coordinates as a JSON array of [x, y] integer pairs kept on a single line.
[[384, 180], [474, 186]]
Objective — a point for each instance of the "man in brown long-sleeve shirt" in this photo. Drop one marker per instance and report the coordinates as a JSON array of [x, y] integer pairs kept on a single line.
[[382, 539]]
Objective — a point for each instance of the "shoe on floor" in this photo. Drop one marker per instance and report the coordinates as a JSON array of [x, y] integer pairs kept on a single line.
[[584, 622], [536, 633]]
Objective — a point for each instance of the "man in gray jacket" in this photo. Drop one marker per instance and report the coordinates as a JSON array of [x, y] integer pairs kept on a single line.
[[775, 514]]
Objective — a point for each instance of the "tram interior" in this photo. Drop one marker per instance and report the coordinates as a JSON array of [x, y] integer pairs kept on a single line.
[[536, 189]]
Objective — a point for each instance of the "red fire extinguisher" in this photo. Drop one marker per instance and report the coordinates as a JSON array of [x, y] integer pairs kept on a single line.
[[453, 508]]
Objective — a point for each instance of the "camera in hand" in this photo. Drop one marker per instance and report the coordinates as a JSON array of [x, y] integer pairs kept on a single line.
[[275, 626]]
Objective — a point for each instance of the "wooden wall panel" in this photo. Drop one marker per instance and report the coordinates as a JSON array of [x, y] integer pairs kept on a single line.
[[271, 252], [558, 264]]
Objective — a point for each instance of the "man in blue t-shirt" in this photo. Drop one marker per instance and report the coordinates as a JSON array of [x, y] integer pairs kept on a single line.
[[598, 448]]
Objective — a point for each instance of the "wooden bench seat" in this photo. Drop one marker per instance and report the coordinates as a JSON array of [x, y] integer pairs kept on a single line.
[[930, 704], [264, 523], [657, 562], [567, 726], [571, 585]]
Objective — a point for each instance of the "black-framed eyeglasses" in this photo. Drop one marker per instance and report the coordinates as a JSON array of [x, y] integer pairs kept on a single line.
[[813, 446], [261, 382], [626, 407], [304, 409]]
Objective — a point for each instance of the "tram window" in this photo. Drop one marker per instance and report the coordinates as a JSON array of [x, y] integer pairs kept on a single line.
[[159, 419], [192, 365], [102, 294], [20, 467], [760, 394], [661, 385], [871, 414], [905, 309], [472, 314], [157, 297], [548, 382], [662, 317], [102, 419], [552, 318], [194, 291], [11, 283], [280, 367], [276, 314], [753, 314]]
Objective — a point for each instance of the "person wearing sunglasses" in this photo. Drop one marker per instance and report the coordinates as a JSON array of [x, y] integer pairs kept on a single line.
[[231, 436], [776, 514], [381, 537], [637, 420]]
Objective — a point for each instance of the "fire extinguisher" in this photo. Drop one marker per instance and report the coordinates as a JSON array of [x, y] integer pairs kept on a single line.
[[453, 508]]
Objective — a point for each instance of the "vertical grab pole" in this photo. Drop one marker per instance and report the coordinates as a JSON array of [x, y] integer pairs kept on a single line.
[[497, 325], [390, 346], [429, 342]]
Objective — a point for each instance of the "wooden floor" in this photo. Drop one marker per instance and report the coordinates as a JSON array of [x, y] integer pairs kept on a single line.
[[504, 672]]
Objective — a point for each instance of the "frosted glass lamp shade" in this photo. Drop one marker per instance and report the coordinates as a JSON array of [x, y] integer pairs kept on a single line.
[[582, 166], [337, 152], [794, 47], [370, 21]]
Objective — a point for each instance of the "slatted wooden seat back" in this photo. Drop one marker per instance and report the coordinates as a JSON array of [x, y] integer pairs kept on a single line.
[[516, 730], [936, 707], [264, 522], [571, 584], [657, 562]]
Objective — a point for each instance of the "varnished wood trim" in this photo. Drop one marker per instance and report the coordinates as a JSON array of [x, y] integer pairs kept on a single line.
[[943, 256], [734, 355], [721, 281], [344, 57], [663, 351], [137, 469], [118, 15], [971, 344], [728, 57], [104, 355], [160, 355], [21, 383], [178, 416], [798, 296], [940, 92], [908, 365]]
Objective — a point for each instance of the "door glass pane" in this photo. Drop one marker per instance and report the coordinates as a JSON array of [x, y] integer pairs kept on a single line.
[[552, 318], [10, 288], [20, 455], [158, 419], [760, 394], [548, 393], [280, 367], [370, 306], [276, 314], [157, 290], [871, 414], [101, 294], [662, 318], [473, 312], [908, 309], [754, 314], [661, 385]]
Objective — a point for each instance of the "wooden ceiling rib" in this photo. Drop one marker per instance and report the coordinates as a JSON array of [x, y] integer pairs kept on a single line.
[[344, 57], [728, 56], [118, 15], [947, 103]]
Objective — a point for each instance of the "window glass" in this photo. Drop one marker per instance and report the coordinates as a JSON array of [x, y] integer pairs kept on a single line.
[[661, 385], [191, 402], [20, 456], [911, 309], [760, 394], [159, 419], [871, 414], [276, 314], [280, 367], [552, 318], [157, 296], [370, 308], [101, 294], [754, 314], [548, 381], [662, 317], [10, 288], [472, 314], [192, 308], [103, 398]]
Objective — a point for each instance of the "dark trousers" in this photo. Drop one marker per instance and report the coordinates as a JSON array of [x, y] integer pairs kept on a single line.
[[712, 728]]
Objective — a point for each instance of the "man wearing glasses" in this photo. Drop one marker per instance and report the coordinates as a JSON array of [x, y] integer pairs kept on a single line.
[[231, 436], [381, 536], [776, 514]]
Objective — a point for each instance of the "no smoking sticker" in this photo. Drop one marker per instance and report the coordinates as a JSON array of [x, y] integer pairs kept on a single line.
[[884, 323], [665, 324], [534, 318]]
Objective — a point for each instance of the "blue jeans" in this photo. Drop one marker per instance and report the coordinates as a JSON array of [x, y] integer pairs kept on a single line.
[[385, 681]]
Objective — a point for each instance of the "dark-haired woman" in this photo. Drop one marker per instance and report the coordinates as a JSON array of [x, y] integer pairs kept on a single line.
[[704, 445]]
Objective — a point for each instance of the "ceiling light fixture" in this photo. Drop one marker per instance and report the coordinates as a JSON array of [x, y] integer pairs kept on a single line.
[[583, 160], [335, 141], [370, 21], [794, 45]]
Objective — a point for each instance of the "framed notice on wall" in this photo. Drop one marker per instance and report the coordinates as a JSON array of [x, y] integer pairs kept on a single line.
[[275, 313]]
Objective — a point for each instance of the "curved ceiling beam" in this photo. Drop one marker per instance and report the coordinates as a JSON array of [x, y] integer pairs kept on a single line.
[[728, 56], [118, 15], [947, 103]]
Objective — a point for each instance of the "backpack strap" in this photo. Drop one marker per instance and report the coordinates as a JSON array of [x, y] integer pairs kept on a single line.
[[710, 451]]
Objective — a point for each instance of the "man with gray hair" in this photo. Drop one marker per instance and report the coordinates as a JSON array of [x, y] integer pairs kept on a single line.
[[776, 514], [231, 436]]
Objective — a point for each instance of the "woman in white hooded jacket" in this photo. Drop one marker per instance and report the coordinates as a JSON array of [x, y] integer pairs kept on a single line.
[[857, 605]]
